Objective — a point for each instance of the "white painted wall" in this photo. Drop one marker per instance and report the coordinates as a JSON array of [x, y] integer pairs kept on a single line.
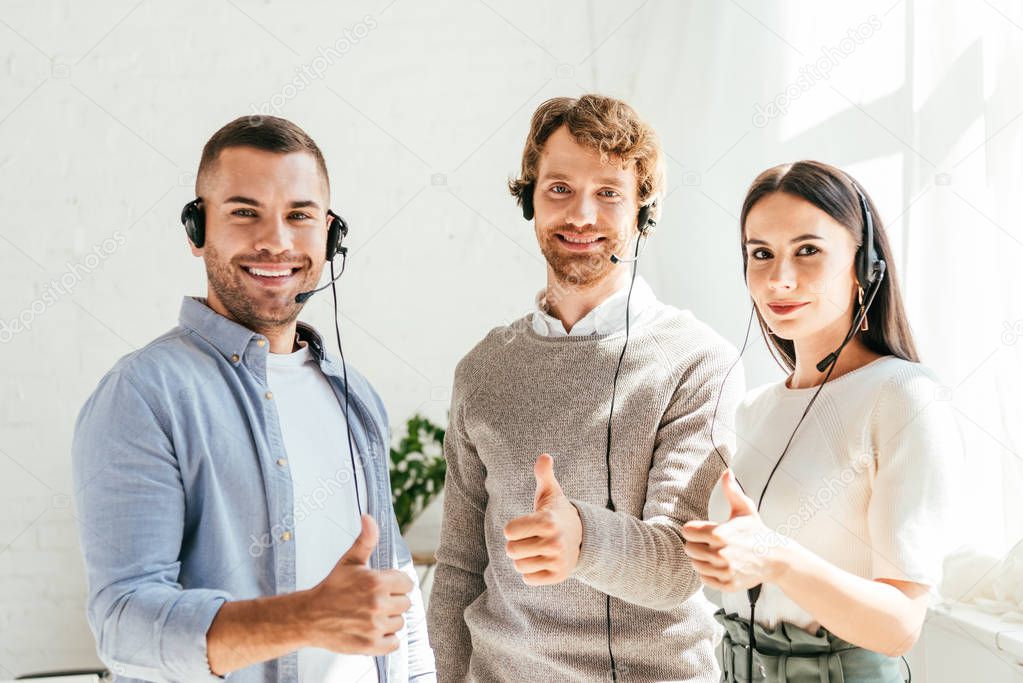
[[421, 110]]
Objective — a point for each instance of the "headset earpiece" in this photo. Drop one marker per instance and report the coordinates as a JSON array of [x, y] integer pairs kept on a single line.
[[644, 222], [868, 265], [336, 233], [526, 200], [194, 219]]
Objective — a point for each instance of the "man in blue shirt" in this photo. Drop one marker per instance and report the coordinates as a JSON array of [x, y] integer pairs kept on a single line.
[[222, 470]]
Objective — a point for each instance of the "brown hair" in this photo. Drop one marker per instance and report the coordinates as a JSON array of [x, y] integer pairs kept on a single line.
[[833, 192], [269, 133], [604, 124]]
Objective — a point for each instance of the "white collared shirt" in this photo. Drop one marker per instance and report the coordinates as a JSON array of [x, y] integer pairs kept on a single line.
[[607, 318]]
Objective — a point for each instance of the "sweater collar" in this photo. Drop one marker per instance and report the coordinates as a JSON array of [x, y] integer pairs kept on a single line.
[[607, 318]]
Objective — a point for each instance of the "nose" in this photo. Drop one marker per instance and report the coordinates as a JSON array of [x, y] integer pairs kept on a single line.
[[582, 212], [782, 276], [274, 235]]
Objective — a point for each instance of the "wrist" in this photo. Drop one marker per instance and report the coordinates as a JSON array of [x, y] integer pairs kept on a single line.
[[300, 618], [782, 559]]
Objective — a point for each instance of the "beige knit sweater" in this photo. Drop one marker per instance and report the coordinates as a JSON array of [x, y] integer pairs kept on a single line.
[[517, 395]]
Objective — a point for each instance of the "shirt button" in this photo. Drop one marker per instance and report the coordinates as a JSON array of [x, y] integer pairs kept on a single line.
[[260, 342], [282, 462], [269, 394], [235, 358], [286, 536]]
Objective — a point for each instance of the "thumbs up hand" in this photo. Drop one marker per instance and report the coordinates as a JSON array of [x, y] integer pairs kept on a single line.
[[740, 553], [544, 545], [740, 503], [357, 609]]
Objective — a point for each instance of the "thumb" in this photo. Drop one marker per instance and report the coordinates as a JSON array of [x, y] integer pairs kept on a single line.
[[547, 486], [739, 502], [364, 545]]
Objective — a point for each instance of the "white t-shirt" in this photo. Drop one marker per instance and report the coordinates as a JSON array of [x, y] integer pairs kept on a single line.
[[868, 483], [326, 517]]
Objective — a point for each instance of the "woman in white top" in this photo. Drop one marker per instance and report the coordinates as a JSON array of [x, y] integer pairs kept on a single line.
[[848, 538]]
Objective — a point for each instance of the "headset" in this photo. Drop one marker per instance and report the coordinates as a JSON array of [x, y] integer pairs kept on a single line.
[[193, 217], [645, 224], [870, 273]]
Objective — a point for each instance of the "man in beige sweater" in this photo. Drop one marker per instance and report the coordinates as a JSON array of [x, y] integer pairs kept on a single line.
[[561, 554]]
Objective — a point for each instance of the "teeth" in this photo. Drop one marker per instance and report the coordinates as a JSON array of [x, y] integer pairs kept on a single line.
[[578, 240], [269, 273]]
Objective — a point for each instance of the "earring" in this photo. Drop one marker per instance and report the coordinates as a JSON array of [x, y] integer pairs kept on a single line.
[[864, 326]]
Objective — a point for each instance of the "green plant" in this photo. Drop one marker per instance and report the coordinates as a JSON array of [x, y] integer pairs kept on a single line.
[[417, 469]]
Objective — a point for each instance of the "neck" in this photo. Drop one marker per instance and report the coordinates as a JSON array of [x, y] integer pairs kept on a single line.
[[812, 350], [570, 304], [281, 337]]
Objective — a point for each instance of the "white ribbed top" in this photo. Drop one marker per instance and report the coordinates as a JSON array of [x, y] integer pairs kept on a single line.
[[867, 484]]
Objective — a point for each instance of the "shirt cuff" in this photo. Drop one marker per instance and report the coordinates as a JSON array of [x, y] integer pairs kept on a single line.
[[598, 542], [184, 634]]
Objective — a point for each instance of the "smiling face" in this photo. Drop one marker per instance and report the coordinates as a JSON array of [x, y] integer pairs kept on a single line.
[[800, 268], [585, 207], [266, 234]]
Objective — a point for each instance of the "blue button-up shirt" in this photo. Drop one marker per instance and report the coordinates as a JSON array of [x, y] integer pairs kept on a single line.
[[185, 500]]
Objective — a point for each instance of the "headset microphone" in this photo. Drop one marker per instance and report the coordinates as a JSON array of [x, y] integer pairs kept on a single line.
[[868, 298], [302, 297], [645, 227]]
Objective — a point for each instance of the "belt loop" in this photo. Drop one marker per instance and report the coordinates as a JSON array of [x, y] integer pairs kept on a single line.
[[783, 668], [824, 666]]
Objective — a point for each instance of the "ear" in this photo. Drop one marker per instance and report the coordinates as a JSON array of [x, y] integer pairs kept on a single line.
[[196, 251]]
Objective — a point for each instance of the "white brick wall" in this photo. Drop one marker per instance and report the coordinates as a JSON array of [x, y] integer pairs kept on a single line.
[[104, 107]]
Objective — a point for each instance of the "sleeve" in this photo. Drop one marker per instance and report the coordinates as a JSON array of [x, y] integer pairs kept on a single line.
[[913, 511], [421, 665], [462, 552], [131, 509], [642, 561]]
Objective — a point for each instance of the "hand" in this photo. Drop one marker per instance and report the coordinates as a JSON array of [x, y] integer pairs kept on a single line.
[[355, 609], [738, 554], [545, 545]]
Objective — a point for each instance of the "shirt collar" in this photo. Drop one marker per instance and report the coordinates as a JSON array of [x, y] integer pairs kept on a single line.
[[607, 318], [230, 338]]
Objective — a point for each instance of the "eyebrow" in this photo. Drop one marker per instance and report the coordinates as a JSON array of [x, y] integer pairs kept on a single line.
[[801, 238], [249, 201], [603, 180]]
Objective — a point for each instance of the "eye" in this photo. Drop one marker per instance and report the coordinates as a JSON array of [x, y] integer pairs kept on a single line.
[[807, 250], [760, 254], [559, 189], [299, 216], [610, 194], [244, 213]]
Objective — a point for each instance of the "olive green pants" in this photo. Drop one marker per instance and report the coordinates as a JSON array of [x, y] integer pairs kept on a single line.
[[788, 654]]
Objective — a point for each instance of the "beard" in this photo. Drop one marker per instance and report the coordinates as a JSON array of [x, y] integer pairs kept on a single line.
[[258, 310], [579, 270]]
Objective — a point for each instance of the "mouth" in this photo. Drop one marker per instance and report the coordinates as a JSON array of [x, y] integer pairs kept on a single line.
[[272, 274], [783, 308], [575, 242]]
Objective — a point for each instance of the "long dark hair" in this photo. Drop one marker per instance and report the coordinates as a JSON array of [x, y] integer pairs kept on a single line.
[[832, 191]]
